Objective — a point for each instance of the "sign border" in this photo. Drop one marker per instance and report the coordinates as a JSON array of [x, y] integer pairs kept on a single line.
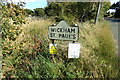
[[64, 40]]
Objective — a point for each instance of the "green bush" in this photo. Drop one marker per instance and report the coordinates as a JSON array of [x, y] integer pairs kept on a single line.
[[39, 12], [12, 17]]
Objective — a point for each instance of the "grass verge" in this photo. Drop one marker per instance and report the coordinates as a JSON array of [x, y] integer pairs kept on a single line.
[[30, 57]]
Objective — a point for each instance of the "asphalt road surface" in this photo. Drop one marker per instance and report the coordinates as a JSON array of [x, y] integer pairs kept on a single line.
[[115, 28], [114, 23]]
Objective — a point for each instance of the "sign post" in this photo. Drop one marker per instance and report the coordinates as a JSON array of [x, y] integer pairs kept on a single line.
[[63, 31], [52, 50]]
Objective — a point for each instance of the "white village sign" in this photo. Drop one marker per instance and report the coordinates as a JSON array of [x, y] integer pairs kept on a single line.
[[63, 32]]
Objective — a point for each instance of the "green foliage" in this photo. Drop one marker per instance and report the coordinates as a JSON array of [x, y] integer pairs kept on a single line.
[[104, 7], [53, 9], [32, 59], [100, 46], [36, 12], [113, 6], [39, 12], [72, 11], [26, 47], [12, 18], [117, 13], [12, 15], [29, 12], [117, 7]]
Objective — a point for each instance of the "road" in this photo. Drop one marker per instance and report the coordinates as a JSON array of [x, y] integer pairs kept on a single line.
[[114, 23], [115, 28]]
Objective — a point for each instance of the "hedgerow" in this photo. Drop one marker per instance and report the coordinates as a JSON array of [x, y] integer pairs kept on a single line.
[[12, 17]]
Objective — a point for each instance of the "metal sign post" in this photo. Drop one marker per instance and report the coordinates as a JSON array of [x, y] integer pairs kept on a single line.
[[52, 50]]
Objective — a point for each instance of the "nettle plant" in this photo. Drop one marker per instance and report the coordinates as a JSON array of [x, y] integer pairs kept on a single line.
[[12, 19]]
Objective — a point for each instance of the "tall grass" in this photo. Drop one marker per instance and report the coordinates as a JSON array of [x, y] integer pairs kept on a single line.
[[100, 49], [31, 59]]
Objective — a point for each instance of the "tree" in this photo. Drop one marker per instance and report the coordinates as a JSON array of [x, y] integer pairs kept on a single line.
[[115, 5], [53, 9], [80, 11], [117, 13], [104, 7], [39, 12], [29, 12]]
